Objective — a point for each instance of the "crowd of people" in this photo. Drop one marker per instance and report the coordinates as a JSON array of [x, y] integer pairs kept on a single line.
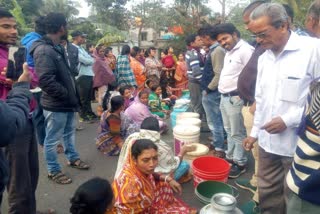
[[253, 96]]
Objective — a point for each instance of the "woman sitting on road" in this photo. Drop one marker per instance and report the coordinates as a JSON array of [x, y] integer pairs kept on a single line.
[[138, 189], [138, 111], [158, 106], [168, 163], [114, 128]]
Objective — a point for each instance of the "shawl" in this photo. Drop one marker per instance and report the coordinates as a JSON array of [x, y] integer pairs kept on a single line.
[[181, 72], [124, 72], [103, 74], [167, 161]]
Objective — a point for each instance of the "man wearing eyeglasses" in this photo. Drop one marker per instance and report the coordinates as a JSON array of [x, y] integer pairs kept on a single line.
[[237, 56], [285, 72]]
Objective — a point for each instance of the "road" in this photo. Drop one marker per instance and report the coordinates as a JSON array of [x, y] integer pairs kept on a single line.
[[51, 195]]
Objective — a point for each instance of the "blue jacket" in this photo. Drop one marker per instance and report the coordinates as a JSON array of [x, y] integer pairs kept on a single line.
[[27, 41]]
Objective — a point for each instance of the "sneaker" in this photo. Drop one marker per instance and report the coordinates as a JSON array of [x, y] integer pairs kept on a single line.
[[245, 184], [236, 171], [251, 207]]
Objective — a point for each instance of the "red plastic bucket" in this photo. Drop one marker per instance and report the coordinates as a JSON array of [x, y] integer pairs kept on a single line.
[[209, 168]]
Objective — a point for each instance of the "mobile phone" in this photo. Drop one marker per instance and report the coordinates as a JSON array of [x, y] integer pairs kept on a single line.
[[16, 58]]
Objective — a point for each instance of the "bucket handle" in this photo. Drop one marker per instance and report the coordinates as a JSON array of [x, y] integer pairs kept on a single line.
[[235, 191]]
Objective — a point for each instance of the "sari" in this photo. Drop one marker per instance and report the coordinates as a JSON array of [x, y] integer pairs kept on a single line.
[[138, 111], [181, 78], [138, 71], [112, 132], [138, 193], [156, 106]]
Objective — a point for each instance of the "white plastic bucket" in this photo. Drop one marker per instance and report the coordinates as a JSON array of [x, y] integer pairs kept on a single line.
[[188, 115], [189, 122], [185, 134]]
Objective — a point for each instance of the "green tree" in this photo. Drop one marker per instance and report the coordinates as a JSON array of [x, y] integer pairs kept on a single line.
[[67, 7], [111, 12]]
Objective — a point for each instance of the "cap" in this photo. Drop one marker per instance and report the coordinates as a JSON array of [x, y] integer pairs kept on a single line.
[[78, 33]]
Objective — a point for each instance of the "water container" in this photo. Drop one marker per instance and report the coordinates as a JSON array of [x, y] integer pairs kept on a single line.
[[185, 135]]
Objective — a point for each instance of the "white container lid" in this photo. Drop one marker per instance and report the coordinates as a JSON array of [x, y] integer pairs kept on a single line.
[[200, 149], [186, 130], [188, 115]]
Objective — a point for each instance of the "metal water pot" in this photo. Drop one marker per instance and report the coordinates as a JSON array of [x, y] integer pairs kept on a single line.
[[223, 203]]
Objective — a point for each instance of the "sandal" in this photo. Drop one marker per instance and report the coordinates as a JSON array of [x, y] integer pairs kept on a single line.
[[79, 164], [60, 178], [219, 154]]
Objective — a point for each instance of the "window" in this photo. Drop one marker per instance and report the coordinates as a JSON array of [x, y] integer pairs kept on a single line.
[[144, 36]]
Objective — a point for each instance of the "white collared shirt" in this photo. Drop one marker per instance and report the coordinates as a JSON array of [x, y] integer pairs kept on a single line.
[[234, 62], [281, 90]]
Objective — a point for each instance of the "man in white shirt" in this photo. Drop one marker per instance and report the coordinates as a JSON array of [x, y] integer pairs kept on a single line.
[[285, 72], [237, 55]]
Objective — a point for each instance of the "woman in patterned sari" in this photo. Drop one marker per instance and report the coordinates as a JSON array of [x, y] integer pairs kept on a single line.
[[138, 189]]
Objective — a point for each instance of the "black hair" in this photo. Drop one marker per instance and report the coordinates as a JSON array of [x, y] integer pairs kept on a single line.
[[40, 25], [89, 45], [109, 48], [116, 103], [191, 38], [54, 22], [123, 88], [94, 196], [166, 51], [150, 123], [125, 50], [253, 5], [111, 87], [99, 47], [5, 13], [144, 91], [227, 28], [135, 51], [289, 11], [148, 51], [140, 145], [208, 30], [154, 87]]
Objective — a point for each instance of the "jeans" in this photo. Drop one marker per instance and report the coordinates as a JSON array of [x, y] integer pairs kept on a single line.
[[22, 155], [211, 105], [84, 84], [297, 205], [231, 107], [59, 125], [38, 120]]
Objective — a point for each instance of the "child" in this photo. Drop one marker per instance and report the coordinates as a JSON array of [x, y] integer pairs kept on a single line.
[[126, 92], [156, 104]]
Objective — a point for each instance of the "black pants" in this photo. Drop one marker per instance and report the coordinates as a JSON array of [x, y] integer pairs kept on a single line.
[[38, 120], [84, 84], [22, 155]]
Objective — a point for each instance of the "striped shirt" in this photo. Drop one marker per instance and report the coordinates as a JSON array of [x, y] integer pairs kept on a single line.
[[194, 66], [124, 72], [304, 176]]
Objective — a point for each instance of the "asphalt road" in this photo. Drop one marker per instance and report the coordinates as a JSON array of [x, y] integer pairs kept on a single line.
[[51, 195]]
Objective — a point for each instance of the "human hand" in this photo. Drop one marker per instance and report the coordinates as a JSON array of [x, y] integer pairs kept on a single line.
[[7, 81], [248, 142], [276, 125], [252, 108], [25, 76], [175, 186], [185, 149]]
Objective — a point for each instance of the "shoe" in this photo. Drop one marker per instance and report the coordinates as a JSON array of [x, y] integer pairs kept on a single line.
[[79, 128], [245, 184], [251, 207], [236, 171], [86, 119]]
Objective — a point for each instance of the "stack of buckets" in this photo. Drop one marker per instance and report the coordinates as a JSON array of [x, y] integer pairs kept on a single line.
[[187, 130], [209, 168]]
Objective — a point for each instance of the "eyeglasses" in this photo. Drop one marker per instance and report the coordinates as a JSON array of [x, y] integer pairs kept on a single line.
[[262, 35]]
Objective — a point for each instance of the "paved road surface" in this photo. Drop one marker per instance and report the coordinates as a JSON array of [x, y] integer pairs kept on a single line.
[[51, 195]]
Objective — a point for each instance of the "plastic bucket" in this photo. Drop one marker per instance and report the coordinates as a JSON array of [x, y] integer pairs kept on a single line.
[[174, 114], [185, 135], [210, 168], [205, 190], [188, 115], [189, 121]]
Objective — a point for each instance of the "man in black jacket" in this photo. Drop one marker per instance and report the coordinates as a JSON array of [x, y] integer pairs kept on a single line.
[[60, 99]]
